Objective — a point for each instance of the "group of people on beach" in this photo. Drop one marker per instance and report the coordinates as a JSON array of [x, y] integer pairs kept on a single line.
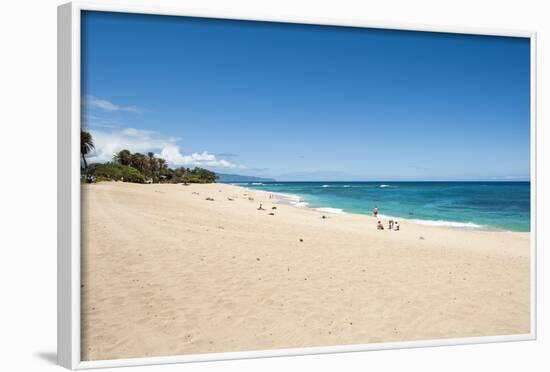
[[392, 225]]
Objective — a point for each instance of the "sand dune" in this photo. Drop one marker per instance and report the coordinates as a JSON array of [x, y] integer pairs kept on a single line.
[[167, 272]]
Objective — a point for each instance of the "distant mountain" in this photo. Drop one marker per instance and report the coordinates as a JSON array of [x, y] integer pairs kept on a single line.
[[237, 178]]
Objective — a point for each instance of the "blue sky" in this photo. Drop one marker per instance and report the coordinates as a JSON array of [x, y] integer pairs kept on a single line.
[[299, 102]]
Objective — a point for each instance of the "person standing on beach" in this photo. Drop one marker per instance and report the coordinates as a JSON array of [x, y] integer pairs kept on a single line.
[[375, 211], [390, 224]]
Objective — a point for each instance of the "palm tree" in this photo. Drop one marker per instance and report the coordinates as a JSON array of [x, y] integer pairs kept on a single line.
[[152, 166], [86, 145], [123, 157], [162, 167], [139, 161]]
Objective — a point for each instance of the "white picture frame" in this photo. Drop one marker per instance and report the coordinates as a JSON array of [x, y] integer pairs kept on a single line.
[[69, 106]]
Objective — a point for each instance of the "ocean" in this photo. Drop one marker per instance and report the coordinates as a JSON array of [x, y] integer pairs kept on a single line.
[[475, 205]]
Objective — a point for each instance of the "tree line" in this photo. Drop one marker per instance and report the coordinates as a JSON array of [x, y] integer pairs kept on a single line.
[[138, 168]]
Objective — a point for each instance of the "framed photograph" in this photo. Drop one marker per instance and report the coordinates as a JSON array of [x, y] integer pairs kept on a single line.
[[242, 185]]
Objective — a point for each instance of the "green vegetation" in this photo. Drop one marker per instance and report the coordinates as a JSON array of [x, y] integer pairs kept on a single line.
[[138, 168], [115, 172]]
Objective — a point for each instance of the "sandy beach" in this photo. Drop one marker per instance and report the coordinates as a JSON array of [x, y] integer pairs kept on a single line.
[[167, 272]]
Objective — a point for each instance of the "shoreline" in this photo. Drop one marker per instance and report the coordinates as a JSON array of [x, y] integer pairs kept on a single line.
[[168, 269], [298, 201]]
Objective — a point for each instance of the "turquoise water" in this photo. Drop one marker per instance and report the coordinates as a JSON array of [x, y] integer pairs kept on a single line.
[[486, 205]]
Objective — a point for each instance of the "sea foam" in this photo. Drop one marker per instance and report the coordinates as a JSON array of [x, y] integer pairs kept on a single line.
[[469, 225], [330, 210], [291, 199]]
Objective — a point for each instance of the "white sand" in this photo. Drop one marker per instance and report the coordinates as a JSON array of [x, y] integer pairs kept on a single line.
[[166, 272]]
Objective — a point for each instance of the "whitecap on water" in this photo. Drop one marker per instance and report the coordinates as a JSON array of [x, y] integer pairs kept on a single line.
[[330, 210]]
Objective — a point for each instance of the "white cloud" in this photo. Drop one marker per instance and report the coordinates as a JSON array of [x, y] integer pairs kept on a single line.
[[136, 140], [99, 122], [105, 105], [173, 155]]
